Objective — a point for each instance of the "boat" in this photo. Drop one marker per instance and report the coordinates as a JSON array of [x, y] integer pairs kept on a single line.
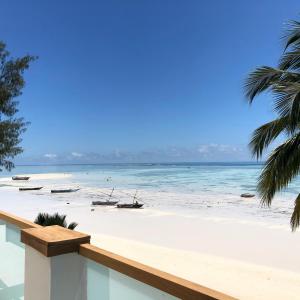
[[107, 202], [20, 177], [247, 195], [134, 204], [30, 188], [65, 191], [104, 202]]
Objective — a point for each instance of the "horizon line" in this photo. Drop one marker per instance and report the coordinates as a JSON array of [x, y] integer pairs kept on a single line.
[[142, 163]]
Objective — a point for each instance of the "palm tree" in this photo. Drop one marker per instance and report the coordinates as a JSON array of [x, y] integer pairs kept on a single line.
[[283, 82], [45, 219]]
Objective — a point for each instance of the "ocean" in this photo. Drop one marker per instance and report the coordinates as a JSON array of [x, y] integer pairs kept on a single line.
[[206, 189]]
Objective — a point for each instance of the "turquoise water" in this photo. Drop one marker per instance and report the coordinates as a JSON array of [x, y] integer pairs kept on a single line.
[[204, 188], [171, 177]]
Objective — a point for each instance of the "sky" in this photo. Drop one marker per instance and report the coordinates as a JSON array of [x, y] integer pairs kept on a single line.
[[142, 81]]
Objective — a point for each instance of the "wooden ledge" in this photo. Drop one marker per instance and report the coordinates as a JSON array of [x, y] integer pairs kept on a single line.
[[17, 221], [53, 240], [173, 285]]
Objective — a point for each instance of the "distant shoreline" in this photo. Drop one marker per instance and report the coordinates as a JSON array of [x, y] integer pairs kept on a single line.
[[220, 163]]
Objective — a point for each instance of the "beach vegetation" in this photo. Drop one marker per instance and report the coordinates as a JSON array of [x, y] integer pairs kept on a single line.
[[45, 219], [283, 84], [11, 84]]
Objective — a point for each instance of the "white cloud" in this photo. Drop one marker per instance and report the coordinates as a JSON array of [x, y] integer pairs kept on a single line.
[[210, 152], [213, 149], [76, 154], [202, 149], [50, 155]]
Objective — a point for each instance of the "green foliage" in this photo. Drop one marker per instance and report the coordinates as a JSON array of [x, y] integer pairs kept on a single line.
[[281, 167], [283, 82], [295, 219], [45, 219], [11, 85], [264, 135]]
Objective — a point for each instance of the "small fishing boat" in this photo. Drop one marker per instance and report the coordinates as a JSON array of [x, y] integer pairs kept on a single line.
[[109, 203], [247, 195], [134, 204], [30, 188], [65, 191], [20, 177]]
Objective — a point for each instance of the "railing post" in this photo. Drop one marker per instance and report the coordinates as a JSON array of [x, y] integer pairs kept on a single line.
[[53, 268]]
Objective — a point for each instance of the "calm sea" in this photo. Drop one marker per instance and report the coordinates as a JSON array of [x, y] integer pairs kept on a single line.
[[208, 189]]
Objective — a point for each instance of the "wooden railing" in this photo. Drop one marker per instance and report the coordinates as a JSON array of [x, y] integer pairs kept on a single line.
[[19, 222], [168, 283], [173, 285]]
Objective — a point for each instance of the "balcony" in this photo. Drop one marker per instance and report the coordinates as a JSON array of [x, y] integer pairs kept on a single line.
[[54, 263]]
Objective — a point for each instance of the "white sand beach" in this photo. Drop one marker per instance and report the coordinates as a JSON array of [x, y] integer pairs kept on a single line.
[[243, 258], [233, 277], [44, 176]]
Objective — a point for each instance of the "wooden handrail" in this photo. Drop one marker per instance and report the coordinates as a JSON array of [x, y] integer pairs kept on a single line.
[[163, 281], [19, 222], [54, 240], [173, 285]]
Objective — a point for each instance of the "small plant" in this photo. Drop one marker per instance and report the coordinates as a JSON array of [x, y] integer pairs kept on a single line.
[[45, 219]]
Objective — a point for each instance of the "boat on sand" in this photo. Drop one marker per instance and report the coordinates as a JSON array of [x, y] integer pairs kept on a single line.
[[20, 178], [64, 191], [30, 188], [134, 204], [109, 203], [247, 195]]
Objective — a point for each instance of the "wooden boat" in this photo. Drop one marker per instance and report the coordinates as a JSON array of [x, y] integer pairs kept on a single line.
[[247, 195], [65, 191], [132, 205], [110, 203], [30, 188], [107, 202], [20, 178]]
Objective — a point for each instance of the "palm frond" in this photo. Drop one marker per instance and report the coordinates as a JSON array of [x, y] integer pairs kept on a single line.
[[280, 168], [45, 219], [40, 219], [57, 219], [295, 219], [261, 80], [292, 36], [290, 60], [284, 83], [264, 135], [72, 225], [287, 101]]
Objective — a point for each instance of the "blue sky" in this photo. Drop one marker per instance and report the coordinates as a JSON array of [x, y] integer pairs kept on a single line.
[[141, 80]]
